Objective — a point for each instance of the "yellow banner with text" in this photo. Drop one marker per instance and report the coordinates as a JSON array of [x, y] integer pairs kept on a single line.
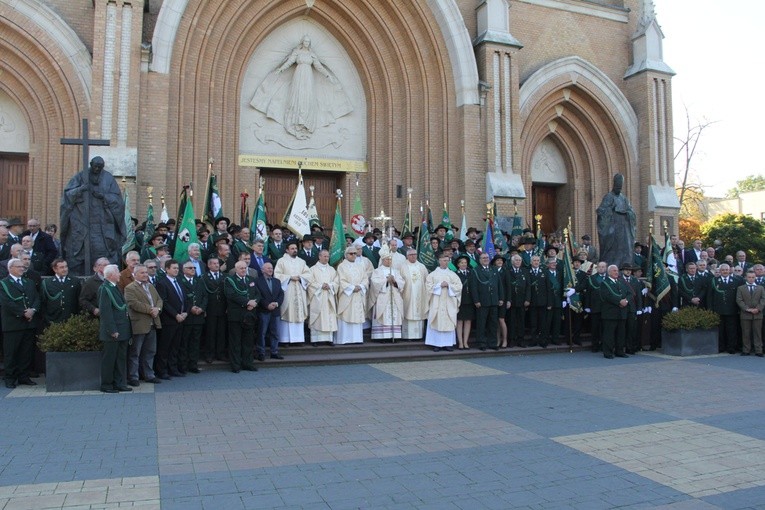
[[326, 165]]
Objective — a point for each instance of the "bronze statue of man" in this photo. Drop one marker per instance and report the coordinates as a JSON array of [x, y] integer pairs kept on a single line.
[[92, 219], [616, 226]]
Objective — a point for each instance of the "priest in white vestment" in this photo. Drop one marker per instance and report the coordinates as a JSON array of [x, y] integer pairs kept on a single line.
[[415, 297], [445, 289], [294, 274], [351, 298], [322, 300], [386, 300]]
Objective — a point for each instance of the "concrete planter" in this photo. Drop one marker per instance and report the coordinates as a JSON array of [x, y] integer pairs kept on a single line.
[[689, 342], [72, 371]]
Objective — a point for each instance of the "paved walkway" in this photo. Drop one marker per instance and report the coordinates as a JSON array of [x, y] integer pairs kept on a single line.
[[566, 430]]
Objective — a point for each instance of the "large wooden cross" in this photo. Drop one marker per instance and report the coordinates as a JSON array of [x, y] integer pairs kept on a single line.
[[85, 141]]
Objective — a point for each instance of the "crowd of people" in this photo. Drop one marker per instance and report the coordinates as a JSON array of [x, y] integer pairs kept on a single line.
[[239, 299]]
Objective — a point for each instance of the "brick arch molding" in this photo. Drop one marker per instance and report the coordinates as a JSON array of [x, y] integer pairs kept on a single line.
[[47, 71]]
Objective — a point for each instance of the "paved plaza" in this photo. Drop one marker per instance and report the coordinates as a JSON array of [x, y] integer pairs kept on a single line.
[[564, 430]]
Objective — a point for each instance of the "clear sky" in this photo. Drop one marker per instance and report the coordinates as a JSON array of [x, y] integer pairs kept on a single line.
[[716, 47]]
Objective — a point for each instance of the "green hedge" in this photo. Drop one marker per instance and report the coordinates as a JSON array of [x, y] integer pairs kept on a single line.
[[79, 333], [690, 317]]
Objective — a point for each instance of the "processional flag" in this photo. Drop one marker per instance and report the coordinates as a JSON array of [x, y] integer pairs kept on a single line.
[[259, 220], [130, 238], [425, 253], [296, 218], [213, 206], [337, 244], [186, 232], [656, 279]]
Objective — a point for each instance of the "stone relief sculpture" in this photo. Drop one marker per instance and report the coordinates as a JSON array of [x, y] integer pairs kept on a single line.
[[305, 100]]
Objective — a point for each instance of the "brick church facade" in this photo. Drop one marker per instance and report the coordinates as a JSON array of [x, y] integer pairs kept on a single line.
[[537, 102]]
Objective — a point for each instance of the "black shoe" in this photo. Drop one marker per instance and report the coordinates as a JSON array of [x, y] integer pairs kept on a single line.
[[250, 369], [449, 349], [436, 349], [10, 384], [759, 355], [123, 388], [194, 370], [745, 354], [34, 375], [208, 361], [495, 348], [165, 377], [277, 356], [622, 355], [133, 383], [261, 357], [27, 382], [483, 348], [175, 373], [235, 370], [543, 346], [608, 356], [154, 381], [109, 390], [731, 351]]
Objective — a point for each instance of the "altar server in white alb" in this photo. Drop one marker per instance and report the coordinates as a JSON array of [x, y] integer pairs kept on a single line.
[[445, 289], [415, 297], [294, 275], [351, 298], [386, 301], [322, 300]]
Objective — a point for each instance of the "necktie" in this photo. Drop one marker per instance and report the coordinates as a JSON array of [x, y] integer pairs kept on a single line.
[[260, 261], [553, 274], [151, 280], [20, 282], [270, 289], [178, 290], [751, 290], [215, 276]]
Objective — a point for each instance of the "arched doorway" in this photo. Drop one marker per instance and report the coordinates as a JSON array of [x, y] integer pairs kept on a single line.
[[280, 184]]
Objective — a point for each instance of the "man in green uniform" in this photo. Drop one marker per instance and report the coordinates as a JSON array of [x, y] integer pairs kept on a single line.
[[242, 296], [193, 326], [60, 294], [19, 303], [614, 308], [114, 332], [488, 292]]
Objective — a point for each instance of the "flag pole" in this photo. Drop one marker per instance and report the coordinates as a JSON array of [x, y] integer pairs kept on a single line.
[[566, 261], [207, 192]]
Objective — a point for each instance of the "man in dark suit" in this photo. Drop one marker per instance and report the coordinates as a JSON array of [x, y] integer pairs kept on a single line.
[[259, 256], [43, 244], [614, 309], [15, 230], [242, 296], [741, 262], [19, 304], [692, 287], [750, 298], [593, 304], [60, 294], [307, 252], [269, 312], [114, 332], [89, 291], [5, 246], [193, 326], [634, 288], [529, 245], [555, 300], [693, 254], [518, 296], [215, 323], [166, 362], [488, 292], [538, 302], [721, 299]]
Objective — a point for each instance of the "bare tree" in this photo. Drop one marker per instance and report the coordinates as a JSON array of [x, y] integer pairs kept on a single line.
[[687, 149]]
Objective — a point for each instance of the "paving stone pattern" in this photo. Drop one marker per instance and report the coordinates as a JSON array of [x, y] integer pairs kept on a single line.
[[556, 431]]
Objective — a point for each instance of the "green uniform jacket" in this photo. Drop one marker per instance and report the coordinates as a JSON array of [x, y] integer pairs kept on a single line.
[[113, 313], [517, 286], [539, 291], [486, 286], [721, 296], [196, 295], [611, 293], [238, 293], [60, 300], [14, 300]]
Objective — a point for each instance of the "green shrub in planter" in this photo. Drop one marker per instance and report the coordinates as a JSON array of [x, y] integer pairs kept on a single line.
[[690, 317], [79, 333]]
